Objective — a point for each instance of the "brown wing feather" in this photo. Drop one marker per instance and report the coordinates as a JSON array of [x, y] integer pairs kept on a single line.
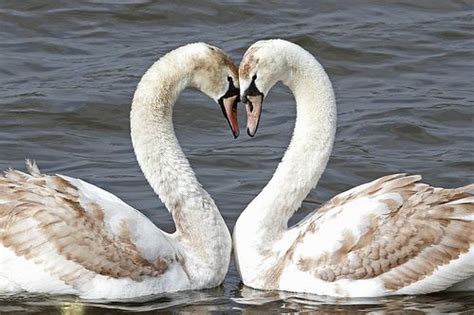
[[418, 236], [49, 205]]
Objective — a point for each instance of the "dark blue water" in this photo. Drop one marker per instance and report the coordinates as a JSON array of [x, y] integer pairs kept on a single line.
[[403, 78]]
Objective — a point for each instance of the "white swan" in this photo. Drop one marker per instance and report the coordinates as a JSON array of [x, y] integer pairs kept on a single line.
[[61, 235], [394, 235]]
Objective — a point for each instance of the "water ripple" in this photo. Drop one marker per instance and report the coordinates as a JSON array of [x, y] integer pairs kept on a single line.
[[402, 73]]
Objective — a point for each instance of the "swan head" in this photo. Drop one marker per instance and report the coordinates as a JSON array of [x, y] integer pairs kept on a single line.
[[263, 65], [216, 75]]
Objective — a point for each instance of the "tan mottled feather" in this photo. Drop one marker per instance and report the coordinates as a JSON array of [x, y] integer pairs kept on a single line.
[[428, 229], [35, 203]]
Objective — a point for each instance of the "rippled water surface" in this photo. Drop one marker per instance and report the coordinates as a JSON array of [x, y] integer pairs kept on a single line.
[[403, 74]]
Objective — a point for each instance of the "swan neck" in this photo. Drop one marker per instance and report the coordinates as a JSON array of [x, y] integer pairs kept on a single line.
[[153, 138], [310, 147], [164, 164]]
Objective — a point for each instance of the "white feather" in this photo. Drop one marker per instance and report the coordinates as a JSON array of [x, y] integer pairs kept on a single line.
[[389, 219]]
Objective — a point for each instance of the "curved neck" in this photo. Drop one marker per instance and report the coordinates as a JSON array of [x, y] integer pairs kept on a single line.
[[162, 159], [308, 153]]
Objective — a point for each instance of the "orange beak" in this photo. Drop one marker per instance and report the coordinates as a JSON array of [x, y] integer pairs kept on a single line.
[[254, 109], [229, 109]]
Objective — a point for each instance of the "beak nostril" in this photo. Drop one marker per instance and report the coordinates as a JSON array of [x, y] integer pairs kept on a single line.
[[250, 107]]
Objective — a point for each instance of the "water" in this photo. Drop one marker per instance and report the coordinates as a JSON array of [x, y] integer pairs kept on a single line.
[[402, 72]]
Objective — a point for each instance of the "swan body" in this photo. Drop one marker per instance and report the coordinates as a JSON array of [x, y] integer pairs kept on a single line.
[[62, 235], [394, 235]]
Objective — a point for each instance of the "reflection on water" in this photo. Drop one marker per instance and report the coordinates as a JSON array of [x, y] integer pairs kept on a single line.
[[243, 300], [402, 72]]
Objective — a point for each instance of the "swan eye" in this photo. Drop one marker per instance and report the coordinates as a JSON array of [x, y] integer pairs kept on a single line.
[[254, 77], [229, 78]]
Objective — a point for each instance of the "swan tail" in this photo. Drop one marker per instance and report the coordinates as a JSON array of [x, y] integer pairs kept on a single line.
[[32, 168], [468, 189], [19, 176]]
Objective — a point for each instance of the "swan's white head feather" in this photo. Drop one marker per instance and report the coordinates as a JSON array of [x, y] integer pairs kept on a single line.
[[211, 69], [266, 62], [196, 65]]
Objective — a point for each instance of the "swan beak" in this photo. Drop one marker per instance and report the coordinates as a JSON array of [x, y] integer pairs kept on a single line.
[[229, 108], [254, 109]]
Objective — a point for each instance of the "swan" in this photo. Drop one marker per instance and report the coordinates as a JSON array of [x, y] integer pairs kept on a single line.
[[394, 235], [62, 235]]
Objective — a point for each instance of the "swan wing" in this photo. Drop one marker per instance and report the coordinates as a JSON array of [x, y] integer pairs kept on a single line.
[[412, 237], [73, 232], [116, 214]]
